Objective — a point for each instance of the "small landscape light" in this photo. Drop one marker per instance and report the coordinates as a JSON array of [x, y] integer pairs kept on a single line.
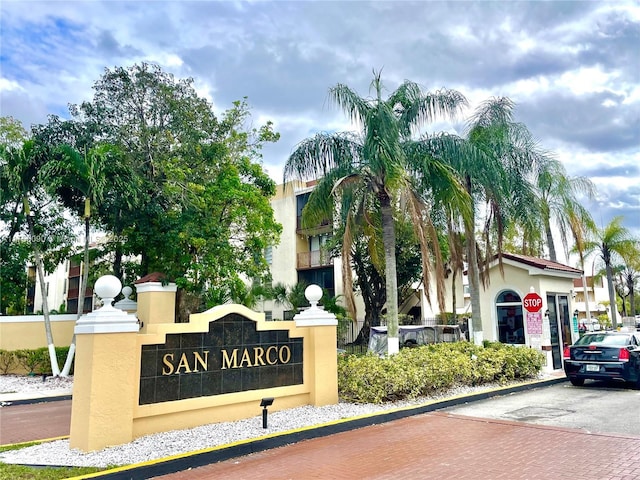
[[264, 403]]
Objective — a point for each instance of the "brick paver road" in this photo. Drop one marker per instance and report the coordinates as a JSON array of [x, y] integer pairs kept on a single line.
[[36, 421], [440, 446]]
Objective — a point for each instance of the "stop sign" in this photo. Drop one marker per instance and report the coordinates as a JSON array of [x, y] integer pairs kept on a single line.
[[532, 302]]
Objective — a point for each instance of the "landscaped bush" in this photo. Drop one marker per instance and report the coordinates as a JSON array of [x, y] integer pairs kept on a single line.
[[8, 360], [415, 372], [32, 361]]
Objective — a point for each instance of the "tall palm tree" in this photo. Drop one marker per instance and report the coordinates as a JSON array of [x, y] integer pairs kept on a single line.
[[609, 243], [80, 177], [494, 162], [559, 198], [22, 178], [580, 224], [629, 274], [377, 171]]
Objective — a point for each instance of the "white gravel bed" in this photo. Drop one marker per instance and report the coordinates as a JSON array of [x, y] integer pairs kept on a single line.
[[160, 445]]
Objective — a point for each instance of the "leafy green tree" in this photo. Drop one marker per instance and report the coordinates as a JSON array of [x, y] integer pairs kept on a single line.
[[378, 171], [610, 243], [367, 260], [12, 133], [14, 280], [195, 203]]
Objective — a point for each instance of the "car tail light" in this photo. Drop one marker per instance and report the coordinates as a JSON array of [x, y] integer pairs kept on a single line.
[[623, 356], [566, 353]]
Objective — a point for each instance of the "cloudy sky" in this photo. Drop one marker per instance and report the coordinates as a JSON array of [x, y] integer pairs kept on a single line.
[[572, 68]]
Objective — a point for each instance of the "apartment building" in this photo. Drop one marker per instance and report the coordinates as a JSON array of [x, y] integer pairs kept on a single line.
[[301, 256], [62, 287]]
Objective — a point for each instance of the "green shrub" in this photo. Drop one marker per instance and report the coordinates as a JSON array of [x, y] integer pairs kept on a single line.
[[431, 369], [33, 361], [8, 360]]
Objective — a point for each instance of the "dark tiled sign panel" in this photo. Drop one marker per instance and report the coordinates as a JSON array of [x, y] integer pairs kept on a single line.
[[231, 357]]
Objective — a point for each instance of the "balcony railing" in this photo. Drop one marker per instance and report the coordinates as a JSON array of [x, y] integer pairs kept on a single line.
[[322, 227], [74, 292], [318, 258]]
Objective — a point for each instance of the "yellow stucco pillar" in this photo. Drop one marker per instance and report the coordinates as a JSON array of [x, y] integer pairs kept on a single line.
[[320, 352], [107, 369], [156, 302]]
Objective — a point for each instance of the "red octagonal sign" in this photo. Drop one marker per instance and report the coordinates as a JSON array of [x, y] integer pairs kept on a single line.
[[532, 302]]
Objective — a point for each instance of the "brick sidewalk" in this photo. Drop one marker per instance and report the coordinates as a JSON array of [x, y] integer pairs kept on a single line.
[[440, 446], [36, 421]]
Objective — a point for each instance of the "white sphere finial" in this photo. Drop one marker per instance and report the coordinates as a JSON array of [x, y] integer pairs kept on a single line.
[[313, 294], [127, 291], [107, 288]]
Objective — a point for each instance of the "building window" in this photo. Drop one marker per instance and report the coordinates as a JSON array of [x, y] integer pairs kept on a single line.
[[268, 255], [321, 276], [510, 318], [268, 315]]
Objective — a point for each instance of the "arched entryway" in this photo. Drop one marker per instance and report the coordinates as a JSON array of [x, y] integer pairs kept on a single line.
[[510, 318]]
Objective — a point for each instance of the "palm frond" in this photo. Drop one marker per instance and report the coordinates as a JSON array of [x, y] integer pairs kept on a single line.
[[315, 157]]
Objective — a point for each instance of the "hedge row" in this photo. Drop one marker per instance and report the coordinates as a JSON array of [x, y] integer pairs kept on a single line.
[[31, 361], [415, 372]]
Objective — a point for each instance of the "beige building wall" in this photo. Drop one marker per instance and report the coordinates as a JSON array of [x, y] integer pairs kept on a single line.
[[56, 285], [520, 279], [285, 254]]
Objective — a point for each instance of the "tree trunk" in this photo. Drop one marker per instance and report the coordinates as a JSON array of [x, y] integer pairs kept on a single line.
[[474, 284], [83, 286], [612, 296], [391, 280], [473, 272], [454, 297], [550, 244], [55, 369]]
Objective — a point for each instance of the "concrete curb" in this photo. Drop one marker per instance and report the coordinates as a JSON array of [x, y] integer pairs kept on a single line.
[[178, 463], [32, 400]]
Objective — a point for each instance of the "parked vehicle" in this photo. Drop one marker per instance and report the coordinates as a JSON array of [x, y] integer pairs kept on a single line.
[[413, 336], [606, 355]]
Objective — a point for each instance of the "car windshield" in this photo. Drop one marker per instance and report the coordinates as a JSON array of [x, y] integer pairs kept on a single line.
[[603, 339]]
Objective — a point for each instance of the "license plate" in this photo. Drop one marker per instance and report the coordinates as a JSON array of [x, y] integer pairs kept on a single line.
[[593, 368]]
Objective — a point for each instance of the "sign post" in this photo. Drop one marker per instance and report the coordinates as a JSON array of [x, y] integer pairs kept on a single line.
[[532, 303]]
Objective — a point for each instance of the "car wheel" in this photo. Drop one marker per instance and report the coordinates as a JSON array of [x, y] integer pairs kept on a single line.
[[577, 382]]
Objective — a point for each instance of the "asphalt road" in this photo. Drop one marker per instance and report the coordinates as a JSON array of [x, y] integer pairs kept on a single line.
[[597, 407]]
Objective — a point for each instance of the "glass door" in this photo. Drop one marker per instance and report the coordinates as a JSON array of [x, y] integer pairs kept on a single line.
[[556, 344]]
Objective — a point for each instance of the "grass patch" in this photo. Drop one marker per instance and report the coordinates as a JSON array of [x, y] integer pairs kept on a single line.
[[20, 472], [9, 471]]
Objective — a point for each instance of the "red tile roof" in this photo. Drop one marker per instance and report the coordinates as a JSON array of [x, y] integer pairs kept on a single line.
[[540, 263], [152, 277]]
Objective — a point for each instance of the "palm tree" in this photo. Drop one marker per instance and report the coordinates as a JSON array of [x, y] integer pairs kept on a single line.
[[379, 170], [559, 199], [74, 176], [608, 243], [629, 274], [580, 224], [22, 178], [494, 162]]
